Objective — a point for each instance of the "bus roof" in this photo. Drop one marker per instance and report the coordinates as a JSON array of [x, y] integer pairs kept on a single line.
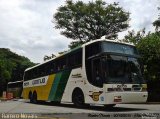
[[78, 47], [108, 40]]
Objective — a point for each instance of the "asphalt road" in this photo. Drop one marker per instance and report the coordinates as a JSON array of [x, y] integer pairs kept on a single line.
[[21, 106]]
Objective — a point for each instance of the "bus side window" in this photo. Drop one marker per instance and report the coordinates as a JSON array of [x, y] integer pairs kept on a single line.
[[26, 76], [41, 71], [74, 59], [52, 67], [35, 72], [78, 58], [92, 49], [70, 61]]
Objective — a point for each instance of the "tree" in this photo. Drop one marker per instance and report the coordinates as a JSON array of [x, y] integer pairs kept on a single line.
[[83, 22], [134, 37], [74, 44], [149, 48], [12, 67], [156, 23]]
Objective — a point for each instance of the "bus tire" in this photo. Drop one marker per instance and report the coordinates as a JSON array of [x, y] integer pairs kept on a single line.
[[30, 97], [34, 97], [78, 98]]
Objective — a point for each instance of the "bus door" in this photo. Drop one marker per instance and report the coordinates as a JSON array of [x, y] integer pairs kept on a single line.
[[97, 80], [97, 72]]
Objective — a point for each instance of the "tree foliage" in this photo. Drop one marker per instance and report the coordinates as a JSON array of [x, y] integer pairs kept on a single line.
[[149, 47], [83, 22], [156, 23], [12, 67], [134, 37]]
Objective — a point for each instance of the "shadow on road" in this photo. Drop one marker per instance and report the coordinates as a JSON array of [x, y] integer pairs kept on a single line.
[[95, 108]]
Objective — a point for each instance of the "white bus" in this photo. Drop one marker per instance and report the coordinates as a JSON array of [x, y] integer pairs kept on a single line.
[[100, 72]]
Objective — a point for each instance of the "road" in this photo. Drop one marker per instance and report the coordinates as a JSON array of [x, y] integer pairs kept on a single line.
[[22, 106]]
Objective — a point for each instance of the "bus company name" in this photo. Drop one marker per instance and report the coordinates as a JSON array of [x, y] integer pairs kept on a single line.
[[38, 81]]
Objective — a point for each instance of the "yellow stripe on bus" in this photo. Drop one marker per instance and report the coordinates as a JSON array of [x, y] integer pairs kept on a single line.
[[42, 91]]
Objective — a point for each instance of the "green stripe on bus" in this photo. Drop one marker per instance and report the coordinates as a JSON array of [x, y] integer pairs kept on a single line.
[[54, 86], [62, 85], [58, 86]]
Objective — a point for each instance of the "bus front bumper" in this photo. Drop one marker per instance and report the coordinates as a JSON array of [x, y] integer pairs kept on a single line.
[[126, 97]]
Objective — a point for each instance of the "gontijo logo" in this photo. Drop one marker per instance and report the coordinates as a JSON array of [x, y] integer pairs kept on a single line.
[[95, 95], [36, 82]]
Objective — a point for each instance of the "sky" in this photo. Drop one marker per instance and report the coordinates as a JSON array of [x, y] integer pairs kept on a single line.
[[26, 26]]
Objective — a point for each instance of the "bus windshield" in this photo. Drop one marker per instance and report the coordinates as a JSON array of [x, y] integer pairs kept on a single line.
[[121, 69], [119, 48]]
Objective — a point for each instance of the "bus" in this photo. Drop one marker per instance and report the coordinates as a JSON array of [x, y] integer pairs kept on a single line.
[[100, 72], [15, 88]]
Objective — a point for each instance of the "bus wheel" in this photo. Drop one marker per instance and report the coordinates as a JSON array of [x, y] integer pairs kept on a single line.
[[109, 106], [78, 98], [34, 99], [30, 96]]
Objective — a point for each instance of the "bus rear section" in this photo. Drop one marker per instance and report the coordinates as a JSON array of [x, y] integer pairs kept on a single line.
[[48, 81]]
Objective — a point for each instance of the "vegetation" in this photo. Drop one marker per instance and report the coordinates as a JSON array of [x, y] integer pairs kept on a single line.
[[156, 23], [12, 67], [83, 22], [149, 48], [134, 37]]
